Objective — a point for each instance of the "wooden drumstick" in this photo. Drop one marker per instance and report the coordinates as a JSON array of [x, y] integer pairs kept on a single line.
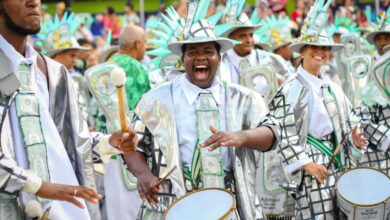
[[118, 78], [336, 151], [166, 176]]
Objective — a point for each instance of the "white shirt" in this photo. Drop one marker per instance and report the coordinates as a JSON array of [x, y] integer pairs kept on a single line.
[[60, 168], [185, 95], [235, 63], [320, 123]]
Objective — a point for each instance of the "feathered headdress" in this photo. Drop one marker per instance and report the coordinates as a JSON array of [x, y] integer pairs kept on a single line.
[[342, 25], [58, 35], [233, 16], [275, 31], [313, 31], [173, 32], [381, 27]]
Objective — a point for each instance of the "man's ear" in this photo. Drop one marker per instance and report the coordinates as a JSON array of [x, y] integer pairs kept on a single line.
[[136, 44]]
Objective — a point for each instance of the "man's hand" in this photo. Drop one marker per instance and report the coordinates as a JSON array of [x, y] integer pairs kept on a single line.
[[223, 138], [68, 193], [126, 142], [358, 138], [147, 188], [318, 171]]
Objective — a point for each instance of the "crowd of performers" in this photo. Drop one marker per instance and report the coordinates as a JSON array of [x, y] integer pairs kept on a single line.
[[223, 101]]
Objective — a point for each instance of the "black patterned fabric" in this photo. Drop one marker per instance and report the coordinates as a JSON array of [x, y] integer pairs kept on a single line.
[[290, 107], [376, 125]]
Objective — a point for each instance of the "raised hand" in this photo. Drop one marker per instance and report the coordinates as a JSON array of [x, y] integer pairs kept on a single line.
[[147, 186], [126, 142], [223, 138], [358, 138], [68, 193], [318, 171]]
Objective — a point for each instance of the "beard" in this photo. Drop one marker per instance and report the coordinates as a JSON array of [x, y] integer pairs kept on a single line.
[[17, 28]]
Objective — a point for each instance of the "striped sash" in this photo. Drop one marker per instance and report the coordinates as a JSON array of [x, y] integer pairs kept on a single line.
[[327, 150]]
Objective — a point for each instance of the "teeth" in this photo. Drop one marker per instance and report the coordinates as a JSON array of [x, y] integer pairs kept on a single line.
[[201, 67], [318, 57]]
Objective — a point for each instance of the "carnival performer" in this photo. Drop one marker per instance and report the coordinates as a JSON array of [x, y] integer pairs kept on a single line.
[[314, 115], [381, 36], [119, 188], [275, 32], [28, 124], [45, 144], [242, 30], [57, 40], [375, 109], [173, 121]]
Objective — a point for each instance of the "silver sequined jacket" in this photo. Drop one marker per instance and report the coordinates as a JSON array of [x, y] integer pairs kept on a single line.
[[290, 107], [245, 109]]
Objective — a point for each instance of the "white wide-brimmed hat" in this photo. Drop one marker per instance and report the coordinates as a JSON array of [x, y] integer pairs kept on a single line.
[[381, 27], [313, 31], [384, 29], [241, 21], [275, 32], [58, 35], [200, 32], [58, 47], [321, 39]]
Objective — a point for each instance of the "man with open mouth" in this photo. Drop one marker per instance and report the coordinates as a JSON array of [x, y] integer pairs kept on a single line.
[[176, 118]]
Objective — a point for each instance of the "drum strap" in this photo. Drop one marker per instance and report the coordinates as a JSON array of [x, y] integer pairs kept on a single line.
[[333, 109], [328, 150]]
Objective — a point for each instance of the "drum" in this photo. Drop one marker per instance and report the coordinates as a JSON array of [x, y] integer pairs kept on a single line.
[[205, 204], [364, 193]]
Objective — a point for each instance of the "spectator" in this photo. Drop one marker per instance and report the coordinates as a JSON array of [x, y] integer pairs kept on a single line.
[[111, 22], [298, 14], [130, 16], [348, 9], [60, 9], [384, 5], [45, 17], [221, 6], [264, 10], [97, 25]]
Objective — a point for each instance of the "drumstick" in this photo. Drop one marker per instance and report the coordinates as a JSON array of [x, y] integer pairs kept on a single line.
[[166, 176], [118, 78], [336, 151]]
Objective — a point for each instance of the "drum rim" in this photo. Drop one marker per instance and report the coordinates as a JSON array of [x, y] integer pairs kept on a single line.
[[357, 204], [199, 190]]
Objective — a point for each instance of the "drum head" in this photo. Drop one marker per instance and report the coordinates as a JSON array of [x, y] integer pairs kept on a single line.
[[364, 186], [208, 204]]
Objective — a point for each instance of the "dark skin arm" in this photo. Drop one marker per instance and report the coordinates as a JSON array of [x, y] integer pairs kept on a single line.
[[260, 138], [127, 143], [147, 182]]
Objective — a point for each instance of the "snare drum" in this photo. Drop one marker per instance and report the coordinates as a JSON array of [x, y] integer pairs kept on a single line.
[[205, 204], [364, 193]]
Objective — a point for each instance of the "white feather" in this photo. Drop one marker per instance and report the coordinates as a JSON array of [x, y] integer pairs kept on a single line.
[[118, 77], [33, 209]]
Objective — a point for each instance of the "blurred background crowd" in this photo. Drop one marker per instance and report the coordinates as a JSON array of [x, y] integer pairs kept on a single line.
[[100, 18]]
